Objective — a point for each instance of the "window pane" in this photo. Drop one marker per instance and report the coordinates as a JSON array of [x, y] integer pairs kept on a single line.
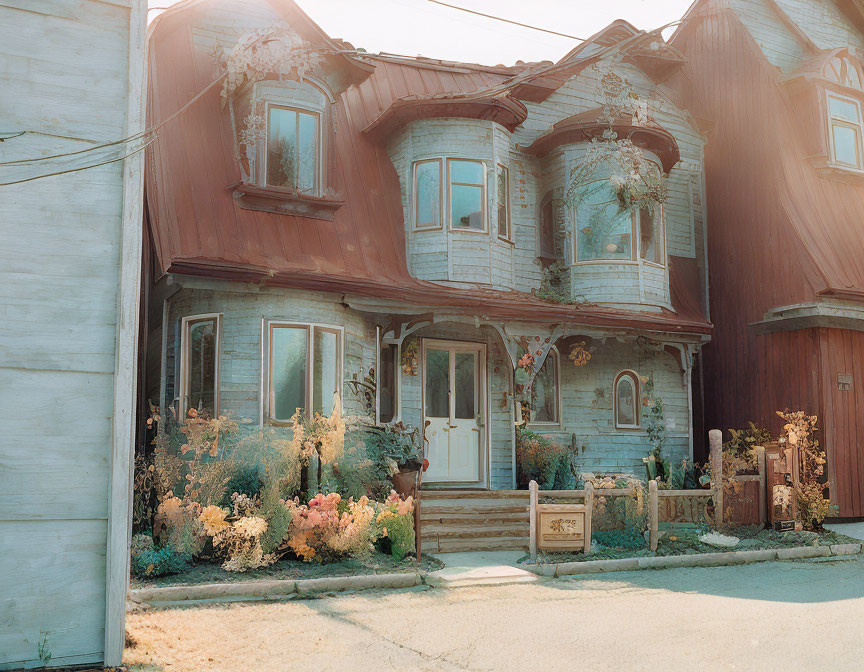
[[845, 145], [470, 172], [843, 109], [201, 365], [649, 236], [428, 196], [325, 371], [288, 371], [605, 229], [547, 231], [465, 385], [626, 401], [308, 156], [544, 405], [387, 384], [466, 207], [282, 148], [503, 194], [437, 384]]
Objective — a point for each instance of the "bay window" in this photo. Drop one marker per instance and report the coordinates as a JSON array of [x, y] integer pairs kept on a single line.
[[199, 364], [467, 179], [651, 235], [305, 369], [427, 194], [502, 195], [604, 230]]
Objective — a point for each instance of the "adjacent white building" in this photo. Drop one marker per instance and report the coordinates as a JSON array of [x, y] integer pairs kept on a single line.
[[71, 78]]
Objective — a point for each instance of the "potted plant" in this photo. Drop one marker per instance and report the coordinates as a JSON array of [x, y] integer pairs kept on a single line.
[[399, 445]]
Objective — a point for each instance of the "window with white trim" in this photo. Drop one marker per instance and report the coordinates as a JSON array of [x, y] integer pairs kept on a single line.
[[652, 237], [199, 364], [502, 196], [625, 396], [427, 194], [845, 131], [467, 180], [604, 229], [546, 392], [293, 158], [304, 371]]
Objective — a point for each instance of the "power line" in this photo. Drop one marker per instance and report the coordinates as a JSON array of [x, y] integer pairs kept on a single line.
[[515, 23]]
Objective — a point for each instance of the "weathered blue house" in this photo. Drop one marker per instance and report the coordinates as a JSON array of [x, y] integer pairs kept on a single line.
[[321, 215]]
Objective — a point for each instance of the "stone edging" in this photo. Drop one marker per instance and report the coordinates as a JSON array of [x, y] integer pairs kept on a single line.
[[694, 560], [267, 590]]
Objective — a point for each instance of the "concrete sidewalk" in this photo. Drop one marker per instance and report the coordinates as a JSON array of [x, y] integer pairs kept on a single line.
[[854, 530], [479, 569]]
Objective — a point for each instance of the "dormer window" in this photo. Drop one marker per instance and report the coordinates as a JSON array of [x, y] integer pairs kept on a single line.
[[844, 116], [844, 71], [467, 194], [293, 155]]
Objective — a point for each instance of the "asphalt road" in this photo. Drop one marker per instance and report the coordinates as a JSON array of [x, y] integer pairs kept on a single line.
[[802, 615]]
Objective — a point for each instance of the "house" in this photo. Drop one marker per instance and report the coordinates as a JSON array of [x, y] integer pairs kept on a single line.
[[72, 79], [780, 85], [321, 216]]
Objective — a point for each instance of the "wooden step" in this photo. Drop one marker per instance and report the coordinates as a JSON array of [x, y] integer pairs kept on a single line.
[[437, 510], [427, 495], [472, 545], [474, 518], [478, 531]]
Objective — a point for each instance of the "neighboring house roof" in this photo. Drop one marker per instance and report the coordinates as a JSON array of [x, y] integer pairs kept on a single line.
[[198, 228], [811, 226]]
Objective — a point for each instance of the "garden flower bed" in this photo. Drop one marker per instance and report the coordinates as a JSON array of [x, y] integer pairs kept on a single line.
[[376, 563]]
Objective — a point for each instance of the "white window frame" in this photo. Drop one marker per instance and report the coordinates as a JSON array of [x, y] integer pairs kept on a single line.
[[267, 365], [183, 384], [484, 199], [637, 399], [508, 236], [857, 128], [556, 358], [319, 142], [415, 204], [659, 214]]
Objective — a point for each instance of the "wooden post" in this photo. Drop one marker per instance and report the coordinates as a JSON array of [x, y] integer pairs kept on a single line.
[[532, 546], [589, 511], [715, 441], [653, 515], [763, 494]]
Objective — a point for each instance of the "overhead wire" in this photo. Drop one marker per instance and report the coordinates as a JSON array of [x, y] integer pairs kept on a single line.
[[510, 21]]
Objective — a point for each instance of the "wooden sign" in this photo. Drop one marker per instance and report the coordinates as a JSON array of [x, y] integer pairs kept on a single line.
[[562, 527]]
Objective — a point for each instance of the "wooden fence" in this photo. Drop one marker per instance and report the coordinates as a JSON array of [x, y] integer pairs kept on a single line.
[[667, 506]]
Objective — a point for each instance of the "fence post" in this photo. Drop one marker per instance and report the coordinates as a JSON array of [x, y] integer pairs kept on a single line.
[[653, 515], [589, 511], [532, 496], [715, 441], [763, 496]]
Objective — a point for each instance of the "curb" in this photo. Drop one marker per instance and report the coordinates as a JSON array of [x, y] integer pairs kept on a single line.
[[695, 560], [246, 591]]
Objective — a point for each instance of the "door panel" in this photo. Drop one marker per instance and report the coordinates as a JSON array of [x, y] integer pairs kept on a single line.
[[453, 410]]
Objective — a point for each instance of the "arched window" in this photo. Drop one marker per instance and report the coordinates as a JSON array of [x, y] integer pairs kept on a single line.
[[845, 71], [625, 395]]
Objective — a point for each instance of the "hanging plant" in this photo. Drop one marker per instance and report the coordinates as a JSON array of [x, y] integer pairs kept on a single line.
[[409, 358], [579, 354], [636, 180]]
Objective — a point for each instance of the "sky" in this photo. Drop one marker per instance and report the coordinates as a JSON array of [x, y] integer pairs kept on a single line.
[[419, 27]]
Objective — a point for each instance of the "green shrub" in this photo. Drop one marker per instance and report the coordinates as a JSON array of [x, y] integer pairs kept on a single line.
[[150, 562], [629, 538]]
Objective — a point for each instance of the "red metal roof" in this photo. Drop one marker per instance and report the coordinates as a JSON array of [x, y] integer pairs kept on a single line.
[[198, 228]]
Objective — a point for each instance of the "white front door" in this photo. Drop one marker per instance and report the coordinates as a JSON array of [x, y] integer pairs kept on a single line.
[[454, 400]]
